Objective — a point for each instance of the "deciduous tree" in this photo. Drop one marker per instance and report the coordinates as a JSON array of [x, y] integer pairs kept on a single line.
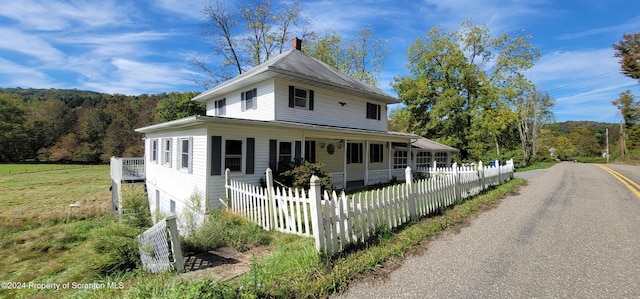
[[628, 50], [533, 110], [457, 77]]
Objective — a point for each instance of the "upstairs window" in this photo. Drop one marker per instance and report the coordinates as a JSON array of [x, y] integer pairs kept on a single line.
[[220, 107], [249, 99], [233, 155], [300, 98], [373, 111], [375, 153]]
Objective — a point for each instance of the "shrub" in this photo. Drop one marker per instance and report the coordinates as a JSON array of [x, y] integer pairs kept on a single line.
[[224, 229], [135, 206], [117, 248], [298, 174]]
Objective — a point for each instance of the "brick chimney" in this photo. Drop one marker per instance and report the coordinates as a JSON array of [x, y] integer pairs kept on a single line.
[[296, 43]]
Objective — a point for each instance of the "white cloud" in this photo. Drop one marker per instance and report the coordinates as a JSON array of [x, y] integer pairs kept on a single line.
[[27, 44], [52, 15], [135, 77], [186, 9], [16, 75]]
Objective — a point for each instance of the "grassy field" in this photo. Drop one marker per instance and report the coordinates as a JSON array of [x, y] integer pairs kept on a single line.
[[35, 203], [35, 247]]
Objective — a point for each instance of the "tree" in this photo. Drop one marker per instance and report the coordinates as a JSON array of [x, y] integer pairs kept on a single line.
[[400, 120], [246, 36], [585, 142], [13, 139], [267, 28], [457, 78], [362, 57], [629, 108], [533, 110], [628, 50], [178, 105]]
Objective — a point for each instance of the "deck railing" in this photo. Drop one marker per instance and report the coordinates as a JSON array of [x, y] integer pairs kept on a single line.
[[127, 169]]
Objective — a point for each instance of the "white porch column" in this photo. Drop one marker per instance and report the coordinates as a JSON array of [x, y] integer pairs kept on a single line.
[[366, 162], [344, 163], [389, 160]]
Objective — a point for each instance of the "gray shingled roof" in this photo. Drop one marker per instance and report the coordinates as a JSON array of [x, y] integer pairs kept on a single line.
[[300, 66], [428, 144]]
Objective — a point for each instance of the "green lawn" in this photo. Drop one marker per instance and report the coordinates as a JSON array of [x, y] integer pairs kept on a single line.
[[35, 202]]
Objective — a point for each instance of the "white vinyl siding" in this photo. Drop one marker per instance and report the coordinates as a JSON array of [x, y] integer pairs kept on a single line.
[[264, 103], [176, 183], [330, 108]]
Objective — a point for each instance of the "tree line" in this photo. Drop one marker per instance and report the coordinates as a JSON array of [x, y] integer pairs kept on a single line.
[[52, 125]]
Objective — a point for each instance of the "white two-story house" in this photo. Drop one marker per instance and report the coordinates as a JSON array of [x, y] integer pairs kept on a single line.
[[292, 106]]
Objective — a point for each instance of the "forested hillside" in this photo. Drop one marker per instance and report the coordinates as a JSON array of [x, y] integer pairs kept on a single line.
[[81, 126]]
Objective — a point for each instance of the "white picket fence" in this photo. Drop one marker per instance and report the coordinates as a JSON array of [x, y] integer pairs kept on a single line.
[[337, 220]]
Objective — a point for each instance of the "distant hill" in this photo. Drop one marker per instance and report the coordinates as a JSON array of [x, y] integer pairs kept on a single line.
[[71, 97]]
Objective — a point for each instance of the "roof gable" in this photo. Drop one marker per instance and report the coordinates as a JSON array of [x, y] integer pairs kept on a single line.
[[301, 67]]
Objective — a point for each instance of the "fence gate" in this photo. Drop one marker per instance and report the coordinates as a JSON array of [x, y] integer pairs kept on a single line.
[[160, 247]]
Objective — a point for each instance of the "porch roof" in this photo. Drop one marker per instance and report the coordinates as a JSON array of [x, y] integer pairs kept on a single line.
[[430, 145], [201, 119]]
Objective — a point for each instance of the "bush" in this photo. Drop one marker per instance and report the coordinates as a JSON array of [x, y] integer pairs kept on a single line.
[[135, 206], [224, 229], [298, 174]]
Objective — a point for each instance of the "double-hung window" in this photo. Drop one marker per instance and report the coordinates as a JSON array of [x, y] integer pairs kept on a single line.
[[300, 98], [373, 111], [233, 155], [284, 152], [186, 150], [249, 99], [354, 153], [154, 150], [441, 159], [376, 153], [220, 107], [166, 151]]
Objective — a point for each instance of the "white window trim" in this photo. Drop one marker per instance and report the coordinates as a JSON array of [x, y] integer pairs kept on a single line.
[[189, 167], [306, 98], [243, 155], [157, 151], [166, 152]]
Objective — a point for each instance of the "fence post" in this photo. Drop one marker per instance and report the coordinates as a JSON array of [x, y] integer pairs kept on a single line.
[[410, 196], [456, 182], [317, 226], [481, 175], [175, 242], [270, 199], [227, 186]]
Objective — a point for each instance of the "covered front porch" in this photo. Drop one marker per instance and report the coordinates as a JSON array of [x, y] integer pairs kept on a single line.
[[358, 162]]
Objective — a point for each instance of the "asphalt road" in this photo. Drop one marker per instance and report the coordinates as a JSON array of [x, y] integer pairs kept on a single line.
[[573, 231]]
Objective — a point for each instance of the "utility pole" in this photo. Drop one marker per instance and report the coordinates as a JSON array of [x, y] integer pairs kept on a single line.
[[607, 153], [622, 145]]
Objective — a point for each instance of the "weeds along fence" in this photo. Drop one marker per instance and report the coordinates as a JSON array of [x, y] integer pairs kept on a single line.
[[160, 247], [337, 220]]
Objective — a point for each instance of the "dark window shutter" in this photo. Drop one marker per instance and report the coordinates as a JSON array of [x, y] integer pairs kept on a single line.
[[378, 106], [291, 95], [216, 155], [310, 99], [273, 154], [298, 150], [251, 150]]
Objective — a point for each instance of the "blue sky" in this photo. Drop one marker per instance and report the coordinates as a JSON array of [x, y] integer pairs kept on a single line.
[[135, 47]]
